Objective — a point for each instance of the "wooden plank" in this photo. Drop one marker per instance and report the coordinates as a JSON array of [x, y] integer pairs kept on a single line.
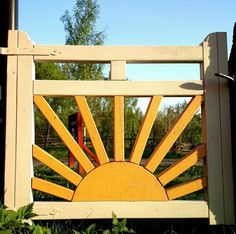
[[56, 165], [186, 188], [92, 129], [24, 127], [10, 150], [98, 210], [118, 70], [119, 143], [169, 139], [145, 129], [219, 161], [63, 132], [118, 88], [51, 188], [182, 165], [226, 131], [130, 54]]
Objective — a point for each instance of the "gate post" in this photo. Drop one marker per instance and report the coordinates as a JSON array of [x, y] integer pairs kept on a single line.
[[218, 131]]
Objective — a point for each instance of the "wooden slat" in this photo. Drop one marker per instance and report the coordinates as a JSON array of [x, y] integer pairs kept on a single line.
[[219, 159], [145, 129], [10, 150], [56, 165], [186, 188], [24, 127], [131, 54], [51, 188], [118, 70], [92, 129], [173, 134], [119, 144], [118, 88], [182, 165], [228, 179], [63, 133], [98, 210]]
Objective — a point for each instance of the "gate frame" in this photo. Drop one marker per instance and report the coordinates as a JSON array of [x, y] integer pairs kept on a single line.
[[211, 55]]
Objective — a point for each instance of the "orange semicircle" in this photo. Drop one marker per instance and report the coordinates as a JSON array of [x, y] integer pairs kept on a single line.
[[120, 181]]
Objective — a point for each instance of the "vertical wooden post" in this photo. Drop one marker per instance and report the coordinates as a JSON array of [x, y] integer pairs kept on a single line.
[[10, 161], [24, 127], [118, 73], [218, 135]]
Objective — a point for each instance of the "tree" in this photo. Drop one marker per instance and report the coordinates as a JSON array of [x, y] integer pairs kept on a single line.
[[80, 28]]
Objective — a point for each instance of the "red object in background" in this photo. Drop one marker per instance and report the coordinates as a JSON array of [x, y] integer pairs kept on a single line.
[[76, 129]]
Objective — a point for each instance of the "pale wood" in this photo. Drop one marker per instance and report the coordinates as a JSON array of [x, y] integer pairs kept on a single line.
[[119, 144], [227, 163], [63, 132], [51, 188], [169, 139], [24, 127], [118, 88], [92, 129], [96, 210], [118, 70], [145, 129], [186, 188], [10, 150], [220, 191], [182, 165], [130, 54], [56, 165]]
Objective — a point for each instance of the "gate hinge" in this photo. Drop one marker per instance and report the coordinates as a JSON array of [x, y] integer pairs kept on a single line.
[[28, 51]]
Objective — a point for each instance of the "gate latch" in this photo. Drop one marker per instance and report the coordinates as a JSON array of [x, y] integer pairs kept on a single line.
[[226, 76]]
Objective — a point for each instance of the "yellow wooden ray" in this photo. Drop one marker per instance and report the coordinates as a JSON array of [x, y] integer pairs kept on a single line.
[[63, 133], [173, 134], [145, 129], [92, 129], [51, 188], [119, 145], [186, 188], [182, 165], [56, 165], [120, 180]]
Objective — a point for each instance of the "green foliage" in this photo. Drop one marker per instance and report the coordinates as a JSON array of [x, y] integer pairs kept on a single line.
[[118, 227], [190, 137], [19, 221]]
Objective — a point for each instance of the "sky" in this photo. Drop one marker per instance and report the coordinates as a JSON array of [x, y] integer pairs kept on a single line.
[[134, 22]]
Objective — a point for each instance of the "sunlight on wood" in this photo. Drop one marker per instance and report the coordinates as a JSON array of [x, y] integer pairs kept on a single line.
[[119, 144], [145, 129], [182, 165], [169, 139], [63, 132], [56, 165], [51, 188], [186, 188], [92, 129]]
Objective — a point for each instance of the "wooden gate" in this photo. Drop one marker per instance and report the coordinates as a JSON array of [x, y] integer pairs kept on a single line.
[[127, 188]]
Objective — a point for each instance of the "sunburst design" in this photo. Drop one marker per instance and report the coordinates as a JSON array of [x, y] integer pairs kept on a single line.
[[120, 180]]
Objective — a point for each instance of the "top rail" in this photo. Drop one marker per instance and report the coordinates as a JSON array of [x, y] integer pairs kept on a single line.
[[130, 54]]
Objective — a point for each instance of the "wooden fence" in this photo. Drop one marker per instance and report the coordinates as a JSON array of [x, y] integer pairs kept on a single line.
[[127, 188]]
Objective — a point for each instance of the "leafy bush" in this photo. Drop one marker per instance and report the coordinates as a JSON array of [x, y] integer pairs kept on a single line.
[[19, 221]]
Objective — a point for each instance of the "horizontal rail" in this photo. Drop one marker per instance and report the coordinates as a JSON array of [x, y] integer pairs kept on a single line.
[[94, 210], [130, 54], [118, 88]]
